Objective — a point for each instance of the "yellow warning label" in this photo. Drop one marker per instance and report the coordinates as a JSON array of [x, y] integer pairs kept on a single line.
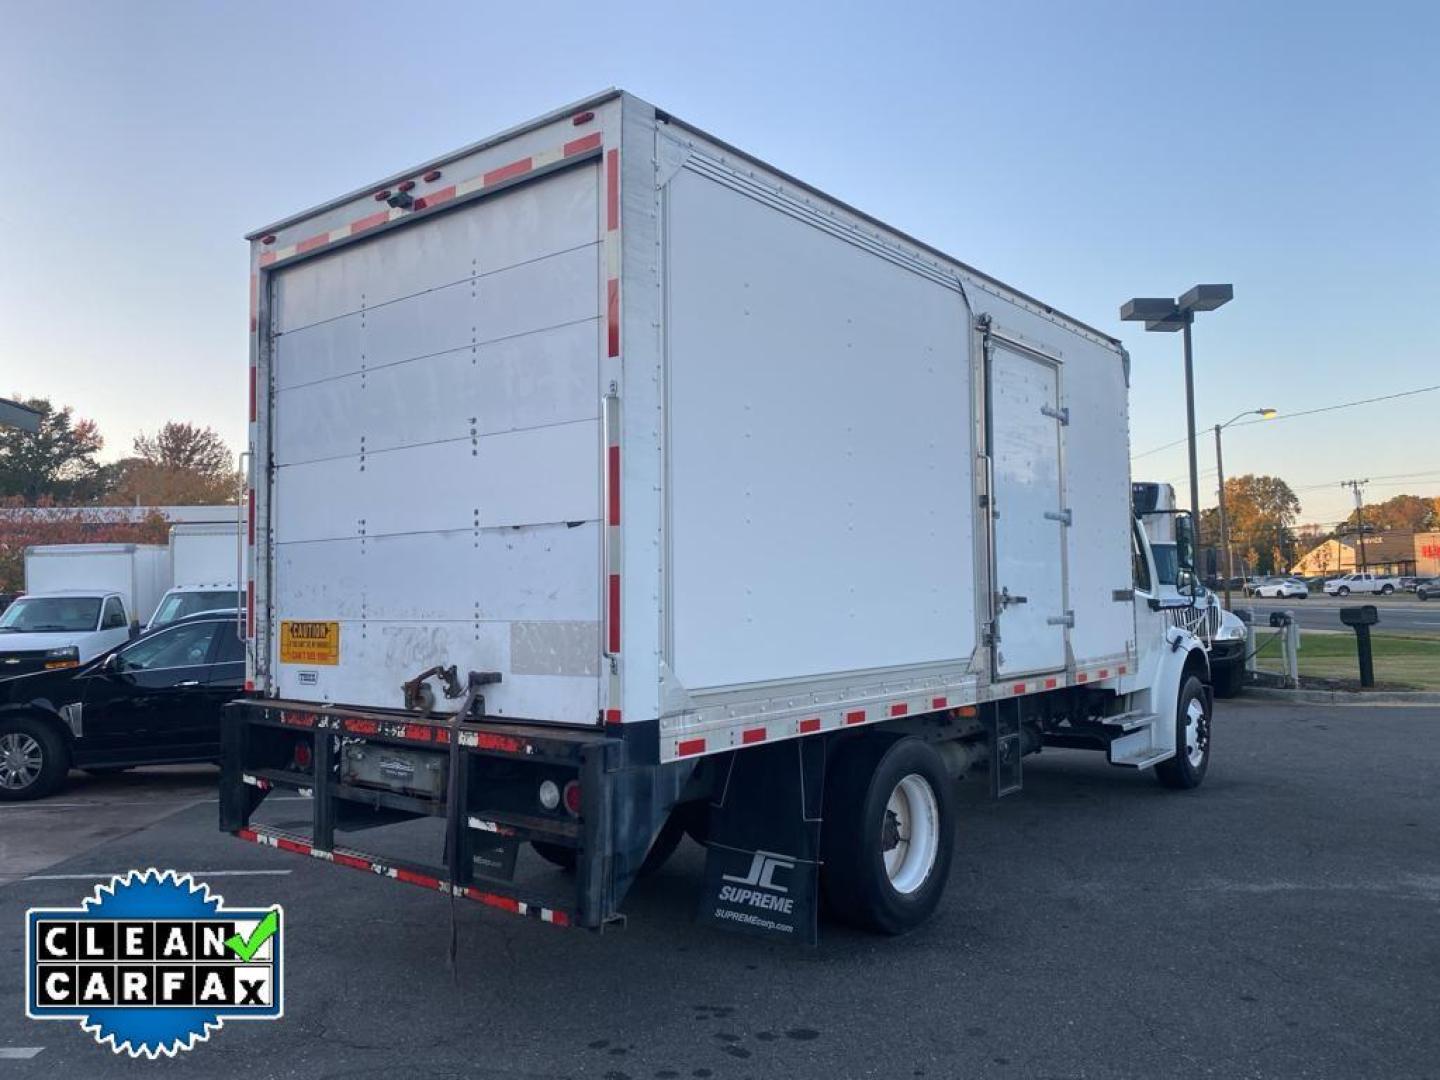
[[309, 642]]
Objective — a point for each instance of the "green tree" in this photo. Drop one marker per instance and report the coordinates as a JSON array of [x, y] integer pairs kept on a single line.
[[56, 462]]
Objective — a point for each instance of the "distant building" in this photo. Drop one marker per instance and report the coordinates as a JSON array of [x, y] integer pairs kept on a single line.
[[1393, 552], [1427, 554]]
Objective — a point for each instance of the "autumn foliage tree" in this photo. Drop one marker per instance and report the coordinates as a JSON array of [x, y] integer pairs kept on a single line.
[[1411, 513], [180, 465], [23, 526], [1261, 511], [56, 462]]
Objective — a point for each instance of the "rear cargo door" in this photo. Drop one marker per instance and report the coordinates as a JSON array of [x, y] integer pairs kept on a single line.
[[436, 451], [1024, 438]]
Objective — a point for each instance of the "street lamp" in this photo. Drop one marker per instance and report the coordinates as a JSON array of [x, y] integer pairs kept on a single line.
[[1264, 414], [1164, 315]]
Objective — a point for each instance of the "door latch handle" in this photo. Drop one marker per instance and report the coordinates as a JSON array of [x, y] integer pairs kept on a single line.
[[1003, 599]]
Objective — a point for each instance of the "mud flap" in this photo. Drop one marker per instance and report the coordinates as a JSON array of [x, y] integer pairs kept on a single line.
[[763, 867]]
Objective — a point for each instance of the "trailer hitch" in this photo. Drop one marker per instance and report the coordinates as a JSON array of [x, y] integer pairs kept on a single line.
[[419, 697]]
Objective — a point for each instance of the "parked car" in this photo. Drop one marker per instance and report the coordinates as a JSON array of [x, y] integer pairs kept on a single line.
[[1361, 583], [1428, 588], [1409, 583], [1283, 589], [153, 700]]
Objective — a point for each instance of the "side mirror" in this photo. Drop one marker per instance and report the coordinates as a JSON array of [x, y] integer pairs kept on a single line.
[[111, 663], [1185, 551]]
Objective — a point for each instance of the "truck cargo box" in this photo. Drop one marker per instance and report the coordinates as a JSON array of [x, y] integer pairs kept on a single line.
[[657, 434]]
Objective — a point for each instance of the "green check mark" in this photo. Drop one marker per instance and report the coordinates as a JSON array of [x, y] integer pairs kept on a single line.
[[245, 948]]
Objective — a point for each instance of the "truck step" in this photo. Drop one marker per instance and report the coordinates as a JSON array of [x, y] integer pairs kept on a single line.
[[1143, 759], [1129, 721]]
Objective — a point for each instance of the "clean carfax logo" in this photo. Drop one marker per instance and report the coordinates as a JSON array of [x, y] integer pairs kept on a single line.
[[152, 963]]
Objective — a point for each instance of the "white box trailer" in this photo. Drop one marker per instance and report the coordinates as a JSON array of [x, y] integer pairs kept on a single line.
[[607, 439], [80, 600], [204, 570]]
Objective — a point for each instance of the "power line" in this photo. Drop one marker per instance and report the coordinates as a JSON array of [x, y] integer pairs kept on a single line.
[[1306, 412]]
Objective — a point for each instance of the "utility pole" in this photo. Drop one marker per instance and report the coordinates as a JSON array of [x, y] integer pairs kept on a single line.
[[1355, 486]]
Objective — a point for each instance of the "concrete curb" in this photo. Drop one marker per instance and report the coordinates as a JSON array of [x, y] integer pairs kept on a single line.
[[1344, 697]]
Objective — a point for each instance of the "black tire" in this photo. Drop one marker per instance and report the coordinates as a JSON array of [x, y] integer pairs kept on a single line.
[[1228, 679], [1343, 590], [1386, 590], [661, 848], [1181, 772], [33, 759], [858, 824]]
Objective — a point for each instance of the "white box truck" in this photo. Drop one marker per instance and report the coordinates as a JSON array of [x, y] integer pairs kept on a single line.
[[204, 570], [609, 484], [80, 600]]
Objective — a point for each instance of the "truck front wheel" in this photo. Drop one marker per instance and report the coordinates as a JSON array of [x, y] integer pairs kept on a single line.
[[888, 833], [1192, 740]]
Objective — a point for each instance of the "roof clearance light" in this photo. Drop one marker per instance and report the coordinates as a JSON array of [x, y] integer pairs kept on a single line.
[[381, 196], [582, 118], [405, 185], [268, 238], [431, 176]]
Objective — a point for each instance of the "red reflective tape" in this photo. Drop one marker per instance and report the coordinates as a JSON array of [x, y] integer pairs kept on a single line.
[[351, 861], [812, 724], [1050, 684], [559, 918], [1018, 688], [292, 845], [753, 735], [488, 741], [266, 258], [1120, 670], [418, 732], [612, 315], [1104, 673], [579, 146], [612, 190], [417, 879], [380, 217], [613, 629], [249, 684], [505, 172], [612, 716], [435, 198], [250, 499], [250, 609], [248, 834], [1081, 677], [613, 458], [504, 903], [690, 746], [312, 243], [899, 709], [252, 393], [856, 717], [362, 727], [297, 719], [939, 703]]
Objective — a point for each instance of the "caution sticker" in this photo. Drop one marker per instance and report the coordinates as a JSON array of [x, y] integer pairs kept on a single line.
[[309, 642]]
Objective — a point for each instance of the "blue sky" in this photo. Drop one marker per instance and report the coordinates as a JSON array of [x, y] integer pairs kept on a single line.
[[1083, 152]]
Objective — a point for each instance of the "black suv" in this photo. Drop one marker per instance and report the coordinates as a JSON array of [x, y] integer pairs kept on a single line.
[[155, 700]]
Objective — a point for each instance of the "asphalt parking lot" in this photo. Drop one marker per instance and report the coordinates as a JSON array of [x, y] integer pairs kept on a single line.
[[1284, 920]]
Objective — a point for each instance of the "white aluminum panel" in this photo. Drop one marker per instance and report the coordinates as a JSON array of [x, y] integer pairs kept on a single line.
[[1025, 455], [819, 450], [437, 480], [548, 377]]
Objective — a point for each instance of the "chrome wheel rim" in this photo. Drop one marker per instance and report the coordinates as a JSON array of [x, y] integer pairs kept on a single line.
[[910, 833], [1197, 733], [21, 759]]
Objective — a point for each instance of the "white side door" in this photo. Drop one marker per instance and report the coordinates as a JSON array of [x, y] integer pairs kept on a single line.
[[1029, 601]]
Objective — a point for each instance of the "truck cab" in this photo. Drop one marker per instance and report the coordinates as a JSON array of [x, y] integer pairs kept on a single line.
[[44, 631]]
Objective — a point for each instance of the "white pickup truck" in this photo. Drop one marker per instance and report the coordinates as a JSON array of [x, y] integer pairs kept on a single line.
[[1383, 584]]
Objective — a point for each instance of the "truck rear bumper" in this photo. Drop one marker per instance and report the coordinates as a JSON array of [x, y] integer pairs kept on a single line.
[[488, 776]]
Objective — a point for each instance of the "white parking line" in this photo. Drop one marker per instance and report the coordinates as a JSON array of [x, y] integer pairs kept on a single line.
[[18, 1053], [192, 873]]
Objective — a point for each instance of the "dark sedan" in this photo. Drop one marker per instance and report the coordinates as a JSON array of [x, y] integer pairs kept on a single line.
[[1428, 588], [154, 700]]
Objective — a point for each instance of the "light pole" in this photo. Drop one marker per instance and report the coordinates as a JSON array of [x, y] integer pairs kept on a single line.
[[1164, 315], [1264, 414]]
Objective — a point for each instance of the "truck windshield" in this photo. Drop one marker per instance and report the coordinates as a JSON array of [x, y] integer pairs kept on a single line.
[[177, 605], [51, 614]]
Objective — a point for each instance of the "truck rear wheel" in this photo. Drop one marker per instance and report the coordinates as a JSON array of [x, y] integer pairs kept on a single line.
[[888, 833], [33, 759], [1187, 768]]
